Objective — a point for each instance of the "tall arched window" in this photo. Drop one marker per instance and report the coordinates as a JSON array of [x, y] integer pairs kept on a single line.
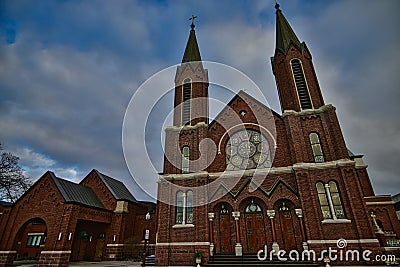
[[187, 95], [323, 201], [329, 200], [185, 159], [247, 149], [337, 204], [179, 207], [184, 207], [301, 84], [189, 207], [316, 148]]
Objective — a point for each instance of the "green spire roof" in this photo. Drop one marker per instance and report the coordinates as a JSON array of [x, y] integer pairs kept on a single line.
[[192, 52], [284, 33]]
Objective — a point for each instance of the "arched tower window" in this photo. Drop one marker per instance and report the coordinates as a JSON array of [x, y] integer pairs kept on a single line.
[[329, 200], [187, 95], [185, 159], [179, 207], [337, 204], [316, 148], [301, 84], [189, 206], [323, 201], [184, 207], [247, 149]]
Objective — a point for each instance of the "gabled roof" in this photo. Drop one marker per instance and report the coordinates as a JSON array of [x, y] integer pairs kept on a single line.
[[117, 188], [77, 193], [242, 94]]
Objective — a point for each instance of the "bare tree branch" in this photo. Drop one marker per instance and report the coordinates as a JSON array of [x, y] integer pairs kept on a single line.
[[13, 183]]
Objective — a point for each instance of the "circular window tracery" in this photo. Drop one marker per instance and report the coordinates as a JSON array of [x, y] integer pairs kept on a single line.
[[247, 149]]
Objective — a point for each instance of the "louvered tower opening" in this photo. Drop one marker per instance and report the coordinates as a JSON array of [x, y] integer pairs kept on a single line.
[[301, 85], [187, 93]]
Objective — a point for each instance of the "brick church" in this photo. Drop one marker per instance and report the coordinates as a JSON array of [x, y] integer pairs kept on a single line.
[[250, 178], [296, 184]]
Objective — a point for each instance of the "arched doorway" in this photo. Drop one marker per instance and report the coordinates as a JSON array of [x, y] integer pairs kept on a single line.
[[225, 229], [255, 227], [30, 239], [287, 220]]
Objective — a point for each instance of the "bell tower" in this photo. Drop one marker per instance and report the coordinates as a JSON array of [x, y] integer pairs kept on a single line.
[[191, 86], [190, 122], [293, 68]]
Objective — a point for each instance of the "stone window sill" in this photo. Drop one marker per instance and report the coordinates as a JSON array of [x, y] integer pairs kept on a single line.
[[183, 225], [336, 221]]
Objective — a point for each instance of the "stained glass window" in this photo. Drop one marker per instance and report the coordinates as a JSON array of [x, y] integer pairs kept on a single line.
[[247, 149], [185, 159], [316, 148], [184, 207], [323, 201], [337, 204]]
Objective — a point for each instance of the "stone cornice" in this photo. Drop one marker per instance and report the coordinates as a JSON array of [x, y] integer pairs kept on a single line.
[[308, 111], [186, 127], [261, 172]]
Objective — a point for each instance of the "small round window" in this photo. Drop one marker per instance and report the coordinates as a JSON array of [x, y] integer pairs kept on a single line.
[[247, 149]]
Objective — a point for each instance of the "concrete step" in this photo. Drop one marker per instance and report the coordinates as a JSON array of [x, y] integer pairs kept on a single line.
[[221, 260]]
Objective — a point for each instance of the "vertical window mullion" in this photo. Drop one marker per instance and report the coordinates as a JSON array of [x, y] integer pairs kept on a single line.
[[184, 209], [328, 194]]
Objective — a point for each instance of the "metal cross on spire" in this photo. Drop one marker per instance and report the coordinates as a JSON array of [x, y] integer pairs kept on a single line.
[[192, 19], [277, 5]]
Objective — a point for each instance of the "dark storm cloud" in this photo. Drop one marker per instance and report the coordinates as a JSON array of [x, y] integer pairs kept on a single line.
[[68, 70]]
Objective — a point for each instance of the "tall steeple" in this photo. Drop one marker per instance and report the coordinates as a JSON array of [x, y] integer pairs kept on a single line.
[[294, 72], [192, 52], [191, 85], [284, 33]]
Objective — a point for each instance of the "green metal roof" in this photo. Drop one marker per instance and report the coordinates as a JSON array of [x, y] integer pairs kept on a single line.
[[77, 193], [284, 33], [192, 52], [117, 188]]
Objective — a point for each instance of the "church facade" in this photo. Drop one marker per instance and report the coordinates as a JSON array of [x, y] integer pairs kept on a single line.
[[297, 186]]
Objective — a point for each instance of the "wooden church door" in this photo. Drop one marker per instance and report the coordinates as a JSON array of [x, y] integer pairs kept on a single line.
[[225, 231], [255, 229], [287, 229]]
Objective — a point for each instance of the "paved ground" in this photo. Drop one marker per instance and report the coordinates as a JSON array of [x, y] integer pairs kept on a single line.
[[85, 264]]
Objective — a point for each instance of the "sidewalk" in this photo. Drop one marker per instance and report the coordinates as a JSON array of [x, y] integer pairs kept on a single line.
[[85, 264]]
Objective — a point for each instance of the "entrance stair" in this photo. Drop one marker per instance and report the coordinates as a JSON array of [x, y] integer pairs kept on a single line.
[[247, 260]]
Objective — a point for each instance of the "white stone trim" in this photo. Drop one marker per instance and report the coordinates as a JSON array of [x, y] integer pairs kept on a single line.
[[378, 196], [183, 244], [115, 245], [189, 225], [56, 252], [336, 221], [35, 234], [352, 241], [260, 172], [186, 127], [308, 111], [8, 252], [379, 203]]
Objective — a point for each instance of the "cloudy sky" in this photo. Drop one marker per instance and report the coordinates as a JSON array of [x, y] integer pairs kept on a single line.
[[69, 68]]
